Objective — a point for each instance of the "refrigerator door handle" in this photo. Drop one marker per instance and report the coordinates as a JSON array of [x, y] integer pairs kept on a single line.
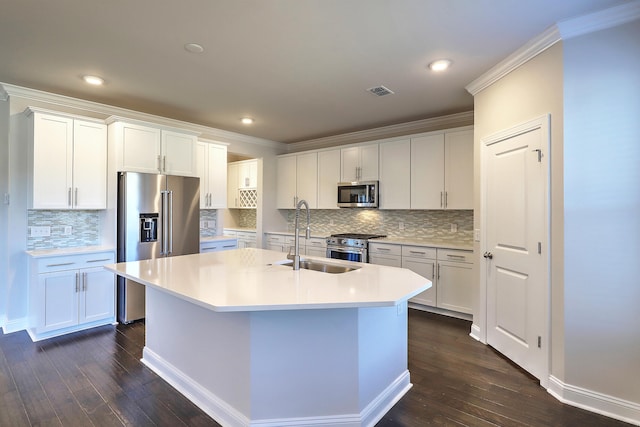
[[170, 222], [163, 231]]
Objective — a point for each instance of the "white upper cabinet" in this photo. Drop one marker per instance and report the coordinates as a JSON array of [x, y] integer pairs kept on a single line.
[[242, 184], [427, 172], [395, 176], [212, 170], [67, 162], [359, 163], [328, 178], [297, 178], [307, 178], [442, 171], [147, 149], [248, 174], [458, 169]]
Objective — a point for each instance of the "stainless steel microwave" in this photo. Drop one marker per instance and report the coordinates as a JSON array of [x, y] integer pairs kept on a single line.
[[361, 194]]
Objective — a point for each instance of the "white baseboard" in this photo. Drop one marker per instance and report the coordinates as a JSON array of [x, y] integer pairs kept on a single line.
[[599, 403], [15, 325], [475, 333], [229, 416]]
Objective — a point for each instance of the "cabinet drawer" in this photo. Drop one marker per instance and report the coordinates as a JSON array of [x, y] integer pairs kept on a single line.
[[275, 239], [418, 252], [455, 255], [247, 236], [316, 242], [71, 262], [384, 249], [219, 245]]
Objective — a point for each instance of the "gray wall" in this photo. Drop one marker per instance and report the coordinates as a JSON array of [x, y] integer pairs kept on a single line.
[[602, 211]]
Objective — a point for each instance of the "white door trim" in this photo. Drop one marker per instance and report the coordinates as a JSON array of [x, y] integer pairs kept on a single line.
[[480, 319]]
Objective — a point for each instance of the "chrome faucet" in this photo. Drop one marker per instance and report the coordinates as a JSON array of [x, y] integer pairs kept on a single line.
[[296, 255]]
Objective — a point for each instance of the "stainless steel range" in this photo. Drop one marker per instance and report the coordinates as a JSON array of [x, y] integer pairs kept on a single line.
[[350, 246]]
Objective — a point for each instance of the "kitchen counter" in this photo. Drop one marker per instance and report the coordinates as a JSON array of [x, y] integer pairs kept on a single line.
[[443, 244], [253, 280], [255, 343], [78, 250]]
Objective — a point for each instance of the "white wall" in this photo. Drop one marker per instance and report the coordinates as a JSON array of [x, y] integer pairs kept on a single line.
[[4, 209], [528, 92], [602, 211]]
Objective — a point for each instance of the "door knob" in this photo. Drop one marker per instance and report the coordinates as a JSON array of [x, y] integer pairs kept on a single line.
[[488, 255]]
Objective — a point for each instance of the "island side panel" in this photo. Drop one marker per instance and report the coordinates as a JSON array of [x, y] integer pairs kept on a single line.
[[207, 353], [304, 365], [383, 359]]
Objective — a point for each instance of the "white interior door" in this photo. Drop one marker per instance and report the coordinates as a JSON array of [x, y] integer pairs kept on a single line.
[[515, 219]]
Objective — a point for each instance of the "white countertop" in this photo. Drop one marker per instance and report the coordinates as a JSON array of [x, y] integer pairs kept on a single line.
[[217, 238], [250, 279], [78, 250]]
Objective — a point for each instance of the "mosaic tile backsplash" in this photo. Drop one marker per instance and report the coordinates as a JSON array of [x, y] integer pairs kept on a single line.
[[247, 218], [208, 218], [432, 225], [85, 229]]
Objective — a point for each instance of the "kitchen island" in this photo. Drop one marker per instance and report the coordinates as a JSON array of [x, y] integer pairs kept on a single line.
[[254, 343]]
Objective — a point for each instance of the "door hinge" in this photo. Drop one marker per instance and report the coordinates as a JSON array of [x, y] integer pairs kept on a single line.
[[539, 341], [539, 247], [539, 151]]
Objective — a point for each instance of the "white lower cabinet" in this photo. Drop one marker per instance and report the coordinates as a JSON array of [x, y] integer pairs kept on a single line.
[[218, 245], [70, 293], [314, 246], [450, 272], [422, 260], [246, 239]]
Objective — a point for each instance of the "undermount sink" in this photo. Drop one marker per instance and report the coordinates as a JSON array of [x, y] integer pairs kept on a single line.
[[321, 266]]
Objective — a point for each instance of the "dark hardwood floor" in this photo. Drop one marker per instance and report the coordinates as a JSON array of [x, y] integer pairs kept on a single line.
[[95, 378]]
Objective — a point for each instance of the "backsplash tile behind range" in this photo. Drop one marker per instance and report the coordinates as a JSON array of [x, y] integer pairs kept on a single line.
[[85, 229], [419, 224]]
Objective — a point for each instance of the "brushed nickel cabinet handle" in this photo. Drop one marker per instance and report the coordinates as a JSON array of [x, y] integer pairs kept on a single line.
[[77, 282], [69, 197]]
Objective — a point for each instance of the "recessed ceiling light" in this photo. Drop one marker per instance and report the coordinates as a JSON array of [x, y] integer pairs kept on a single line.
[[440, 65], [93, 80], [247, 120], [193, 48]]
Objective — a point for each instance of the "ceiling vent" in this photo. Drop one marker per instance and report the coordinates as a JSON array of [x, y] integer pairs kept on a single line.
[[380, 91]]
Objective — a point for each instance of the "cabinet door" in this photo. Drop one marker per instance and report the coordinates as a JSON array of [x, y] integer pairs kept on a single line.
[[140, 149], [97, 296], [369, 162], [202, 171], [89, 165], [458, 169], [328, 179], [58, 300], [307, 178], [454, 286], [286, 181], [395, 175], [248, 174], [178, 154], [350, 164], [52, 162], [232, 185], [217, 167], [425, 268], [427, 172]]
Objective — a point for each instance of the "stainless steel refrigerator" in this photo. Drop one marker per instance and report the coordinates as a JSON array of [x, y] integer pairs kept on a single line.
[[158, 216]]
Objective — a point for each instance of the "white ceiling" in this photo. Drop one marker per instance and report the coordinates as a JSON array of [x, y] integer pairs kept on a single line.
[[300, 68]]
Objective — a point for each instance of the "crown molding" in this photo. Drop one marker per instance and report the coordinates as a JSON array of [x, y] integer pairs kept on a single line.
[[531, 49], [600, 20], [418, 126], [3, 94], [108, 111], [561, 31]]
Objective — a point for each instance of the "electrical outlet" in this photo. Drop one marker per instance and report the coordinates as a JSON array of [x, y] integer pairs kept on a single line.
[[476, 234], [330, 222], [67, 230], [41, 231], [454, 228], [401, 226]]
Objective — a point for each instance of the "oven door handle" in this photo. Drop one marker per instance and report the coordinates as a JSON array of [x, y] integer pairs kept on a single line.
[[346, 251]]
